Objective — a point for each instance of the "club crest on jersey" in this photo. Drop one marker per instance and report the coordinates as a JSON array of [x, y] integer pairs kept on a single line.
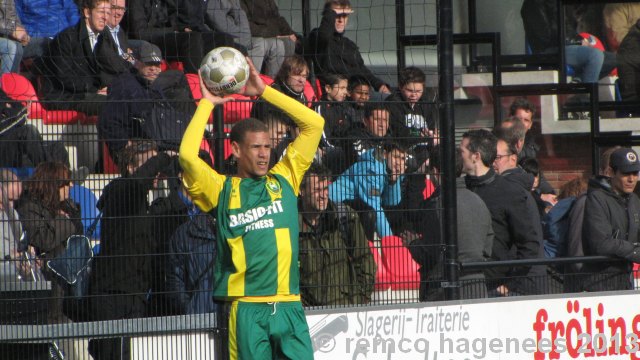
[[273, 186]]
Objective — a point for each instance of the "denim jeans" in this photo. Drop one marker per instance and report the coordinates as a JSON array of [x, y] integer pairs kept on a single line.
[[10, 55], [586, 61]]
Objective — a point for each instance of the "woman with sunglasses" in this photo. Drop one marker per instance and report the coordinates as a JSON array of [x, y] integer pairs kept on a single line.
[[49, 217]]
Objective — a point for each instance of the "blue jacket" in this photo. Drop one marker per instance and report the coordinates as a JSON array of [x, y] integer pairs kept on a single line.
[[190, 266], [556, 227], [46, 18], [368, 180]]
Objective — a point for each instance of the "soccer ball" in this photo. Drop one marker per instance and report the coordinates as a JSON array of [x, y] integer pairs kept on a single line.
[[224, 70]]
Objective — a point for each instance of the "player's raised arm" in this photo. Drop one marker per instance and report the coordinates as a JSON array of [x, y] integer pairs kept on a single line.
[[202, 182]]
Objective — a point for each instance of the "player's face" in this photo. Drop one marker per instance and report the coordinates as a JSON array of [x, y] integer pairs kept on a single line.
[[412, 92], [97, 17], [316, 194], [526, 117], [378, 123], [253, 154], [360, 95], [624, 183]]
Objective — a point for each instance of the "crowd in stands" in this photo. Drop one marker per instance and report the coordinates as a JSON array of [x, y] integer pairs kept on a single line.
[[376, 173]]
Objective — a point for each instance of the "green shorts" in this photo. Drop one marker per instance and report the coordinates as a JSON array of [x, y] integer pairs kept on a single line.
[[264, 331]]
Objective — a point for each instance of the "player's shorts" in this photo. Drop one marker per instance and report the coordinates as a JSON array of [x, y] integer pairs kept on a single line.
[[264, 331]]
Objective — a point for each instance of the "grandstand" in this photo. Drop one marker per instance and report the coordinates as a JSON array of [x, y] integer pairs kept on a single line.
[[472, 84]]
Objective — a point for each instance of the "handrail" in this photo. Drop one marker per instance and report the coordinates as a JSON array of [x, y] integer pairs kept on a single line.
[[478, 265]]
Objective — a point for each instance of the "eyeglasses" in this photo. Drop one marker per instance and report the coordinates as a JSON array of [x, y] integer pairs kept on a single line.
[[498, 157], [116, 7]]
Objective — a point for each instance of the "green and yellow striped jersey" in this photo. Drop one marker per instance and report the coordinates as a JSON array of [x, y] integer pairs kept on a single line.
[[257, 217]]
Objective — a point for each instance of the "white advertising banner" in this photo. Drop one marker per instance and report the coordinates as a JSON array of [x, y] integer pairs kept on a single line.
[[606, 326]]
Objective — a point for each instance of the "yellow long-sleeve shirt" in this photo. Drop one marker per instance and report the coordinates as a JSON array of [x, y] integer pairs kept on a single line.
[[257, 218]]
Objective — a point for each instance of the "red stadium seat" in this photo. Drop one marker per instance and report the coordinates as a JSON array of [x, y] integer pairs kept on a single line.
[[20, 88], [401, 266]]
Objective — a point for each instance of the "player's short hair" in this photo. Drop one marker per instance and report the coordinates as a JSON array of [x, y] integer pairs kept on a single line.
[[239, 130]]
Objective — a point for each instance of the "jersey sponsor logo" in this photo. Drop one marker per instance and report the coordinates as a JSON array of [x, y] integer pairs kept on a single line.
[[255, 214]]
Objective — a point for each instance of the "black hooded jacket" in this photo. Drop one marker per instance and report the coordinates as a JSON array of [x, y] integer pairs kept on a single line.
[[610, 228]]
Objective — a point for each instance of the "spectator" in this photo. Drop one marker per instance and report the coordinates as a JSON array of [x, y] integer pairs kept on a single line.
[[49, 217], [336, 264], [21, 144], [72, 53], [177, 27], [192, 253], [290, 80], [556, 222], [10, 229], [541, 29], [334, 53], [531, 166], [338, 117], [13, 38], [169, 213], [372, 183], [475, 240], [619, 18], [576, 217], [189, 275], [371, 133], [359, 93], [228, 16], [43, 20], [628, 65], [413, 118], [272, 39], [113, 53], [610, 225], [514, 131], [514, 225], [121, 276], [140, 98], [524, 110]]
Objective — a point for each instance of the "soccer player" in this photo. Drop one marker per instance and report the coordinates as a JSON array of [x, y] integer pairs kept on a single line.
[[257, 216]]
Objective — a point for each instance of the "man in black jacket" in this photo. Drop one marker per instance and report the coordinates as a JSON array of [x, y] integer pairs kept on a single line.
[[413, 112], [334, 53], [112, 50], [511, 217], [629, 64], [611, 224], [139, 97], [122, 274], [70, 68]]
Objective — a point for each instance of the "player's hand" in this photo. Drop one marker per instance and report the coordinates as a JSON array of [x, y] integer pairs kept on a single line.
[[206, 94], [255, 86]]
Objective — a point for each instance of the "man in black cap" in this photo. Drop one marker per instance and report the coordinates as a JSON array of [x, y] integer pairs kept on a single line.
[[142, 96], [611, 223]]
